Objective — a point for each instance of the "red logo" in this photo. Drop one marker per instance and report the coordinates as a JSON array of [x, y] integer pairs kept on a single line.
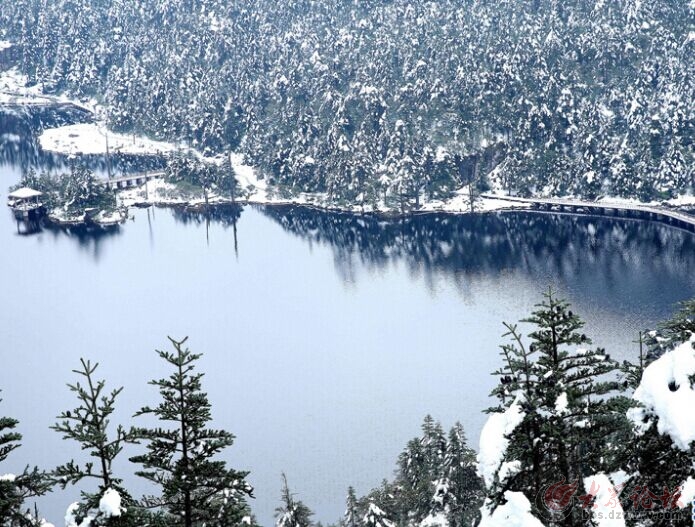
[[558, 496]]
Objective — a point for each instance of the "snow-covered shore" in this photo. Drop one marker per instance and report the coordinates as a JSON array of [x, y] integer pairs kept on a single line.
[[161, 193], [95, 139], [92, 139]]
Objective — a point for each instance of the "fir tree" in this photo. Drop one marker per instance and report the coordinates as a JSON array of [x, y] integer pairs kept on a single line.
[[16, 490], [292, 512], [89, 425], [461, 489], [351, 516], [420, 468], [196, 488], [563, 389]]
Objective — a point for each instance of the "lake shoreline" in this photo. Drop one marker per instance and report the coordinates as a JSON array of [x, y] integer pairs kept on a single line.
[[488, 205]]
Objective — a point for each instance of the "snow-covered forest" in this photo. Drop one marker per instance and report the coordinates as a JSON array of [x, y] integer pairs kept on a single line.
[[402, 100]]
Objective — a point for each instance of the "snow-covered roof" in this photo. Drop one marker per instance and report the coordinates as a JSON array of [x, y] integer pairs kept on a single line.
[[25, 193]]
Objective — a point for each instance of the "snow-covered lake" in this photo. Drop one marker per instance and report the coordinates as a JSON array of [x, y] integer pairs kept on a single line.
[[326, 337]]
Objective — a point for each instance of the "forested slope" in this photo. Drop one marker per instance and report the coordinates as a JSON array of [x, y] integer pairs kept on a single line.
[[397, 100]]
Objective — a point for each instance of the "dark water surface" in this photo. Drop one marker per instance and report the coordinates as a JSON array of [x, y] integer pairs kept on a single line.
[[326, 337]]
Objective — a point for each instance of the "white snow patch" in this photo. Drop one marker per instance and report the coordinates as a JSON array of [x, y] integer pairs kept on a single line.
[[684, 200], [667, 394], [606, 508], [494, 439], [508, 469], [91, 138], [8, 477], [110, 504], [687, 494], [515, 513], [70, 520], [561, 403], [435, 520]]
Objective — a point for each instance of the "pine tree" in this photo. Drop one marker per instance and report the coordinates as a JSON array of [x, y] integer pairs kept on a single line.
[[89, 425], [463, 494], [292, 512], [564, 391], [196, 488], [16, 490], [351, 516], [420, 467]]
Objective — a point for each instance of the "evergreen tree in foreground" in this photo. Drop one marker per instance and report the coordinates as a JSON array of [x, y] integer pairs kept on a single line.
[[196, 489], [88, 425], [560, 389], [15, 490], [292, 512]]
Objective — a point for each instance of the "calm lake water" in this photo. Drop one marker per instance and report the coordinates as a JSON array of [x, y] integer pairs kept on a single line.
[[326, 337]]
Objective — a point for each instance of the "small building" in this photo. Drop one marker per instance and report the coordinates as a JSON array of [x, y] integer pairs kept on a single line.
[[25, 201]]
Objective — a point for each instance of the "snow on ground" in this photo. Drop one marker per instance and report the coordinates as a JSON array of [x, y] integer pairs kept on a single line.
[[515, 513], [684, 200], [248, 178], [461, 202], [5, 44], [667, 394], [494, 439], [687, 495], [13, 85], [92, 138], [110, 218], [157, 192], [607, 511], [435, 520]]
